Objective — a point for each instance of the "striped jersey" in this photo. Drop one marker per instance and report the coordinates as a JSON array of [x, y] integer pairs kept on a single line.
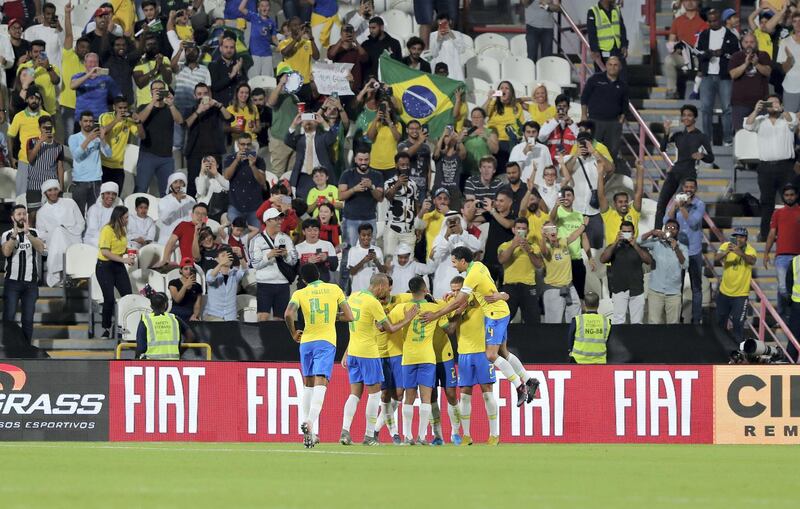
[[22, 265], [45, 166]]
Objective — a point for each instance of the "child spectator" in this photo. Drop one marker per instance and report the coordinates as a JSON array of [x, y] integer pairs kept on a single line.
[[322, 192], [141, 227], [186, 292]]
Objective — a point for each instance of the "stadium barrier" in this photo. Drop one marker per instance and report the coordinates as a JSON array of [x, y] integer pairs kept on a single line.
[[261, 402]]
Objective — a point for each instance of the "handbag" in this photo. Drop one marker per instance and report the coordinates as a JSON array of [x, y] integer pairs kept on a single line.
[[594, 201], [288, 271]]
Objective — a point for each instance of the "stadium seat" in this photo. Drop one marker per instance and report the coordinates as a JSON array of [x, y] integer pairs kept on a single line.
[[518, 46], [647, 220], [248, 282], [575, 112], [555, 69], [520, 69], [484, 68], [81, 14], [519, 87], [495, 52], [553, 89], [606, 308], [745, 146], [380, 7], [488, 40], [478, 89], [130, 160], [158, 282], [398, 24], [176, 274], [152, 212], [8, 184], [215, 226], [129, 313], [148, 255], [406, 6], [246, 307], [215, 8], [80, 261], [265, 82], [139, 279]]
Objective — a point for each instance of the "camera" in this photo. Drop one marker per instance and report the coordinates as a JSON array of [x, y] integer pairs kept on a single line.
[[681, 197], [161, 94], [371, 251], [478, 204]]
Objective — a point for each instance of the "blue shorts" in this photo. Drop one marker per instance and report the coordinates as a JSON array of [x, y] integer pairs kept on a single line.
[[364, 370], [392, 372], [316, 358], [419, 374], [496, 330], [474, 369], [446, 374]]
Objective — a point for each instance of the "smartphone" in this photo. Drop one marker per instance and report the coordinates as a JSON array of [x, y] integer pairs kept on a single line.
[[478, 204], [102, 71], [371, 251], [307, 117], [497, 93], [205, 100], [319, 251], [282, 246], [43, 56], [425, 129], [96, 126]]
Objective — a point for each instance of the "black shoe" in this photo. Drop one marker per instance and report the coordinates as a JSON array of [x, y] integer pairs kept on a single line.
[[522, 395], [533, 385], [106, 333]]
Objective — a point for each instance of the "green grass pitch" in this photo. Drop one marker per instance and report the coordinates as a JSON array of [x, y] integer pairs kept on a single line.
[[191, 475]]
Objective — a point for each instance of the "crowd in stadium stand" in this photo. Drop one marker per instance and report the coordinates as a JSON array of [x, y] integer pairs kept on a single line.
[[250, 182]]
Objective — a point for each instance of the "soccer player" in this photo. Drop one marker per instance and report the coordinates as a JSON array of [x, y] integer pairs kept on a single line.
[[419, 359], [362, 358], [445, 378], [479, 282], [320, 303]]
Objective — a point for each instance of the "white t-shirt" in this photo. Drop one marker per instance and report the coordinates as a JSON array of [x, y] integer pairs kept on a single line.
[[361, 280], [791, 82], [550, 194], [538, 155], [305, 250], [715, 39], [583, 192]]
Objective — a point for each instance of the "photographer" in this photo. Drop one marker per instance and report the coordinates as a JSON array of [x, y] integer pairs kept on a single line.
[[223, 283], [449, 156], [94, 88], [272, 284], [417, 146], [117, 127], [750, 70], [775, 128], [158, 116], [298, 50], [212, 188], [670, 260], [349, 51], [520, 259], [500, 216], [246, 173], [384, 133], [688, 210], [738, 258], [205, 139], [45, 162], [361, 188], [312, 147], [582, 172], [319, 252], [625, 275], [531, 155], [559, 133], [448, 46], [85, 147], [186, 292]]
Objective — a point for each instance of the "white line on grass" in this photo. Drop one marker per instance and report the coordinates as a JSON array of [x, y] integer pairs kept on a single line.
[[28, 445]]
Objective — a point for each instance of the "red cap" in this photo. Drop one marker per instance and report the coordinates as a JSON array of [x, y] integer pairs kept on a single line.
[[14, 21], [102, 11], [187, 262]]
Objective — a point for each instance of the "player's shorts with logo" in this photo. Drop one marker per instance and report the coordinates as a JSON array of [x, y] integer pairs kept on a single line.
[[419, 374], [496, 329], [316, 358], [474, 369], [364, 370], [446, 374]]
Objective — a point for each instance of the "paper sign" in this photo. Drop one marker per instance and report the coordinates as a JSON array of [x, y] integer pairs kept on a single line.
[[332, 78]]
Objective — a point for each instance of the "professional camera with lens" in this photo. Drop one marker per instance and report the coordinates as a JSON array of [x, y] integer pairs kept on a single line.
[[383, 92], [753, 351]]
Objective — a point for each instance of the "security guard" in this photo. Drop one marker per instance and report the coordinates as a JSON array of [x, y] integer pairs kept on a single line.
[[159, 334], [793, 283], [606, 31], [588, 333]]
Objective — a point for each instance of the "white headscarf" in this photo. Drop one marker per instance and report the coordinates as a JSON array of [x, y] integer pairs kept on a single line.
[[50, 184], [172, 178], [109, 187]]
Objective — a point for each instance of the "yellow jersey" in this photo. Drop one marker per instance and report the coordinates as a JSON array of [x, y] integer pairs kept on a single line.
[[442, 346], [736, 273], [108, 240], [535, 224], [367, 311], [300, 61], [433, 225], [471, 333], [558, 268], [143, 95], [319, 302], [391, 344], [612, 221], [25, 125], [509, 117], [479, 283], [245, 118], [541, 116], [120, 134], [521, 268], [70, 66], [41, 77], [418, 340]]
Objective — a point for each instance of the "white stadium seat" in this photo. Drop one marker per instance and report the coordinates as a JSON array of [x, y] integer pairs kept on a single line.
[[745, 146], [397, 24], [495, 52], [406, 6], [518, 46], [520, 69], [80, 261], [152, 212], [148, 255], [555, 69], [488, 40], [158, 282], [519, 87], [647, 220], [129, 313], [8, 184], [380, 6], [246, 307], [484, 68], [265, 82], [478, 89]]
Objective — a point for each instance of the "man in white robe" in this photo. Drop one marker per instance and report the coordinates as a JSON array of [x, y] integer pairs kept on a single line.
[[141, 227], [175, 207], [404, 267], [59, 223], [99, 214]]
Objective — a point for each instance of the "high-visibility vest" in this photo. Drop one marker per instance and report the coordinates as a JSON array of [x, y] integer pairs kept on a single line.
[[591, 335], [796, 284], [163, 336], [609, 31]]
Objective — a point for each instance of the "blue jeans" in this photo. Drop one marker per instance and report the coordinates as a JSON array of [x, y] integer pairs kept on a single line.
[[733, 308], [150, 165], [696, 280], [251, 218], [178, 137], [539, 42], [13, 291], [710, 88], [783, 264]]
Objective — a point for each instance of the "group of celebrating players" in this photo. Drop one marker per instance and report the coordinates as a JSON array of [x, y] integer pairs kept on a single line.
[[400, 347]]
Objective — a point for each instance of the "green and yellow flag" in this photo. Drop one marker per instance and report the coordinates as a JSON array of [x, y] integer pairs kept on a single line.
[[425, 97]]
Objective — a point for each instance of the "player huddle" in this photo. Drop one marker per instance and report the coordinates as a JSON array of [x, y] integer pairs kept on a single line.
[[400, 348]]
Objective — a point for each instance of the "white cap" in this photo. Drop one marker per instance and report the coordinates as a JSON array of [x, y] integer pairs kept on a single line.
[[50, 184], [109, 187], [271, 213], [404, 249]]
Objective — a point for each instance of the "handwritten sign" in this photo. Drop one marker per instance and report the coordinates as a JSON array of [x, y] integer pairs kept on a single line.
[[332, 78]]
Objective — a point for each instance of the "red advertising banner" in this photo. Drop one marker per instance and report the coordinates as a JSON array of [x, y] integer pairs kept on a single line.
[[261, 402]]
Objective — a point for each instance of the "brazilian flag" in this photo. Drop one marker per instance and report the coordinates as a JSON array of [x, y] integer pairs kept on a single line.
[[425, 97]]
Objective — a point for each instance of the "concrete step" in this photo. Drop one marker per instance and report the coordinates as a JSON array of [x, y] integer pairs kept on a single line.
[[82, 354], [61, 331], [661, 103], [60, 318], [75, 344]]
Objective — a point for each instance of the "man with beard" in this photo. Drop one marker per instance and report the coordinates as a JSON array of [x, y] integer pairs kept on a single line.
[[227, 71], [60, 224], [71, 64], [154, 66], [517, 187], [187, 75], [25, 125], [158, 116], [785, 227], [401, 192], [86, 147], [378, 42], [417, 147], [360, 188], [623, 210], [205, 132], [101, 40], [120, 67], [49, 31]]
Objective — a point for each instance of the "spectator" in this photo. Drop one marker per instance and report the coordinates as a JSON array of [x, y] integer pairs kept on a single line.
[[206, 249], [116, 129], [431, 216], [184, 235], [120, 66], [212, 188], [205, 138], [517, 187], [738, 258], [693, 146], [349, 51], [268, 247], [793, 282], [154, 67], [775, 128], [284, 110], [625, 274], [22, 249], [688, 210], [94, 92], [25, 125], [222, 282], [401, 193], [560, 298], [750, 70], [783, 227], [324, 17], [281, 199], [605, 29], [246, 173], [319, 252], [449, 156], [71, 64], [60, 224], [789, 58], [731, 21], [559, 133], [141, 227], [520, 259], [174, 207], [715, 45], [533, 210], [682, 36], [417, 147], [378, 42], [312, 143], [623, 210], [500, 216], [20, 48], [568, 222], [244, 115], [153, 24], [414, 60], [539, 27], [227, 71], [322, 192], [100, 212], [479, 141], [361, 188], [529, 154], [329, 226], [486, 185], [111, 261], [187, 76], [86, 146], [259, 97], [360, 20], [604, 100], [506, 117], [263, 34], [670, 261], [298, 50], [48, 30], [589, 168], [538, 108], [186, 293], [158, 117], [364, 259], [383, 134], [451, 235], [447, 46], [46, 162], [405, 267], [46, 76], [549, 190]]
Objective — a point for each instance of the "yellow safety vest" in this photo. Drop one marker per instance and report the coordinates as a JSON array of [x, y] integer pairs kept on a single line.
[[591, 335], [796, 284], [163, 336], [609, 31]]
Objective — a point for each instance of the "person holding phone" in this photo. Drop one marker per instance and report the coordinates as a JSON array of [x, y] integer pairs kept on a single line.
[[86, 147], [520, 259], [158, 117], [272, 292], [364, 259], [312, 144], [45, 75], [446, 44], [738, 258], [49, 31], [118, 127], [45, 162], [625, 275], [560, 133], [186, 293], [665, 286], [317, 251], [94, 88], [174, 207]]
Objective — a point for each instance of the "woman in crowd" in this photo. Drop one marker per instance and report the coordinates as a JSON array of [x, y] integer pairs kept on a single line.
[[111, 263], [329, 227], [205, 248], [384, 134], [187, 294], [505, 117], [479, 140], [245, 114], [212, 188], [175, 207], [539, 109]]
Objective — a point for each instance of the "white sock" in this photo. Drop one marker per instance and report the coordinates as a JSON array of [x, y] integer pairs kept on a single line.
[[436, 420], [491, 412], [455, 418], [381, 419], [391, 417], [373, 405], [385, 417], [408, 419], [697, 81], [519, 369], [466, 411], [317, 399], [350, 407], [505, 367], [424, 418], [307, 393]]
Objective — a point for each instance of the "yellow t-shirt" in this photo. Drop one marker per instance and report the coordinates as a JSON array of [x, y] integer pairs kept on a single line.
[[184, 32], [612, 220], [109, 240], [301, 60], [471, 332], [246, 117], [463, 115], [736, 273], [442, 346], [479, 282], [120, 134], [41, 77], [331, 193], [319, 302], [764, 41], [433, 225], [521, 269], [143, 95], [499, 122], [70, 66], [26, 126], [558, 269], [418, 341], [391, 345], [598, 146], [367, 311], [384, 148], [124, 14], [535, 224], [541, 117]]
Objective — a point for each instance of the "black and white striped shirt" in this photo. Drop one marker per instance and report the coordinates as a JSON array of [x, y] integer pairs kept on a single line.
[[45, 167], [22, 265]]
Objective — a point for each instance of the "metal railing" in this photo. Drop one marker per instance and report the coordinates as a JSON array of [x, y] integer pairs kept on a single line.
[[641, 133]]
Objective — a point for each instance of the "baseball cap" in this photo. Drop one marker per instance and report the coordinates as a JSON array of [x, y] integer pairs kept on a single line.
[[727, 13], [14, 21], [187, 261], [102, 11], [441, 190], [271, 214], [36, 92], [739, 232], [404, 249], [283, 68], [762, 15]]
